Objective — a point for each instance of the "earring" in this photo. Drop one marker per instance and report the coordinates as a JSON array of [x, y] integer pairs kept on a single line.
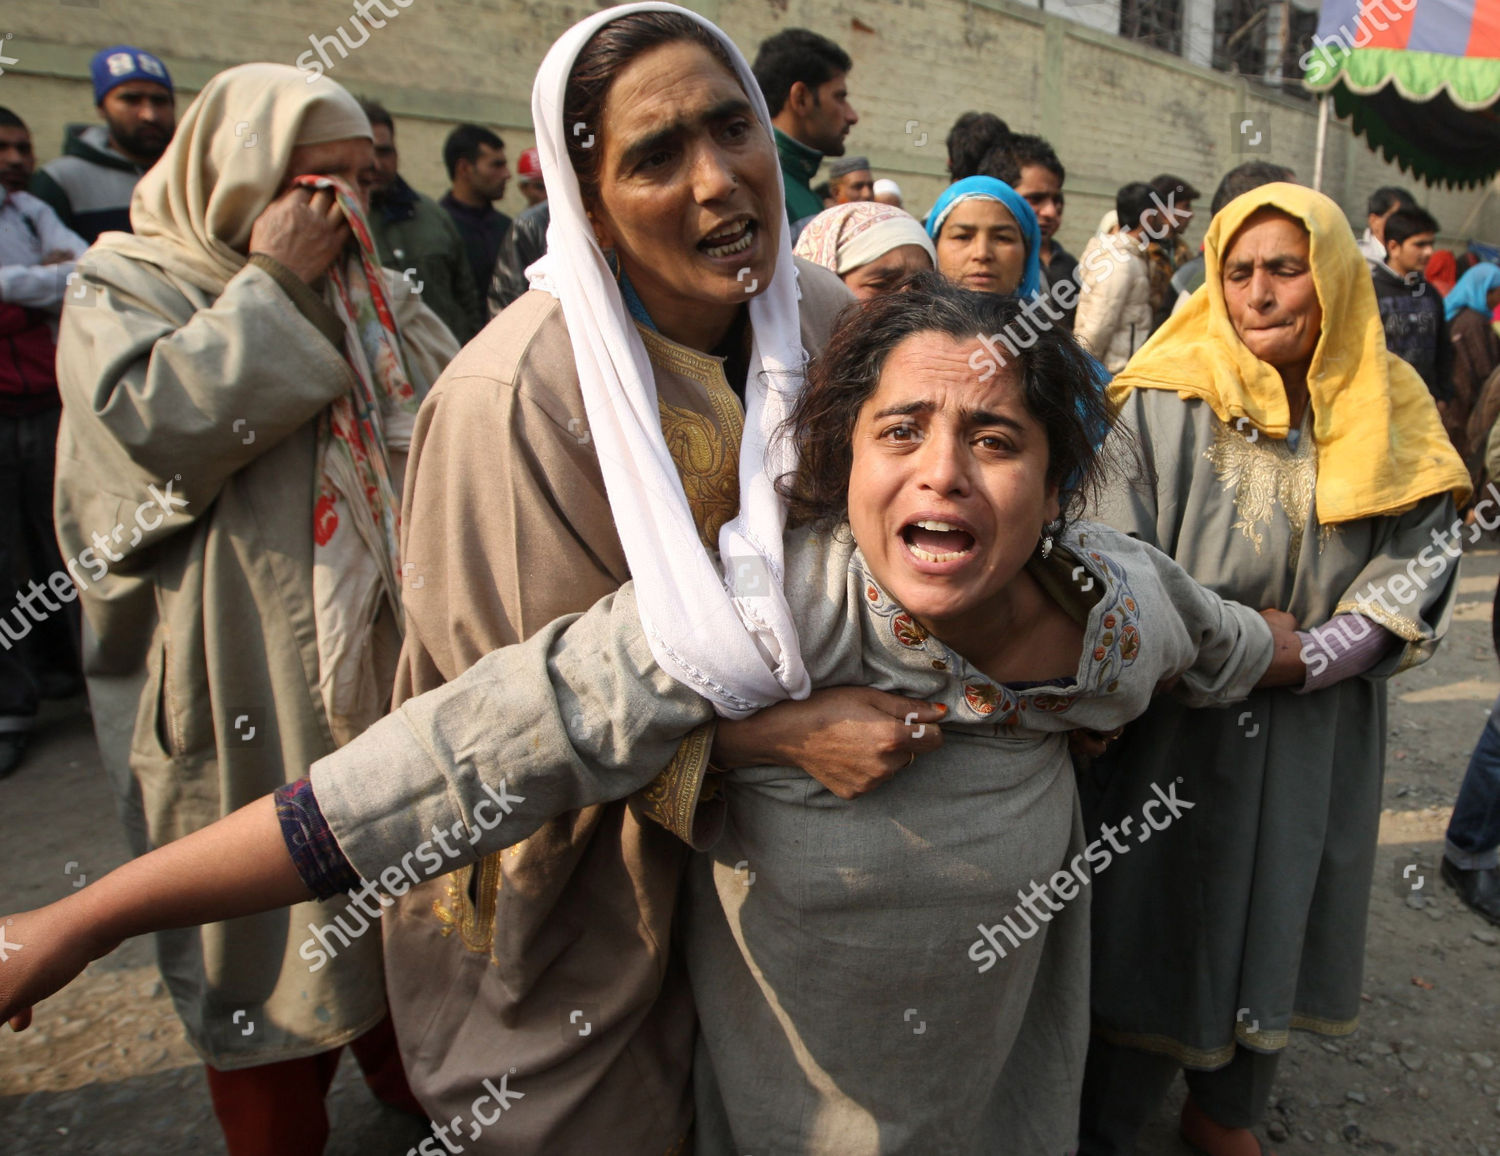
[[1050, 529]]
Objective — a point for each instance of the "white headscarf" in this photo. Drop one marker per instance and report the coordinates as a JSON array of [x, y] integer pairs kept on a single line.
[[730, 635]]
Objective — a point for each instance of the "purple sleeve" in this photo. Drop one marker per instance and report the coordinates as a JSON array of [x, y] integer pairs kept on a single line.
[[315, 852], [1344, 646]]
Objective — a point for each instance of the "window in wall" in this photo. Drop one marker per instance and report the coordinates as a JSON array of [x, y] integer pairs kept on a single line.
[[1263, 39], [1154, 22]]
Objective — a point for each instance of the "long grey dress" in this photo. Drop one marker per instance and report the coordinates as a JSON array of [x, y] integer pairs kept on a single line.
[[845, 1001], [1247, 919]]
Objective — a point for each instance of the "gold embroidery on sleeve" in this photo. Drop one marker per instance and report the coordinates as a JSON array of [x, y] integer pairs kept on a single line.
[[673, 796], [1398, 624]]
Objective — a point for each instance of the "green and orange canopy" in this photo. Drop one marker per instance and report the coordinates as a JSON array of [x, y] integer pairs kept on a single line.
[[1419, 78]]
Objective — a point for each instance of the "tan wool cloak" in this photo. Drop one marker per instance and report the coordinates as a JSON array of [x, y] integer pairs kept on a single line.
[[507, 527]]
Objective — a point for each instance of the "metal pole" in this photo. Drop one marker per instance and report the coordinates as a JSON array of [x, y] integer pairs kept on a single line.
[[1322, 141]]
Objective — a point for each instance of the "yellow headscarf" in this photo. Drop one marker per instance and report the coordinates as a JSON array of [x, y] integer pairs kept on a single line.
[[1381, 445]]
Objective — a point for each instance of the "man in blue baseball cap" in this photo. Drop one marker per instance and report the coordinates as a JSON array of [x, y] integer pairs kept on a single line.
[[91, 183]]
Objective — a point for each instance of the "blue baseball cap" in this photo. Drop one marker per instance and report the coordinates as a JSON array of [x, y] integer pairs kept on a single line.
[[112, 67]]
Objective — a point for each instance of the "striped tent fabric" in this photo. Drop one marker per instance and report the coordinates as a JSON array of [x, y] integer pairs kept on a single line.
[[1418, 78]]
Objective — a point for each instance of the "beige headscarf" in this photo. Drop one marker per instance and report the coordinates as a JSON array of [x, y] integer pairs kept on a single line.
[[192, 213]]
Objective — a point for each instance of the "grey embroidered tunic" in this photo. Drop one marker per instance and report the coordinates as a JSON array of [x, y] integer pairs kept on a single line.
[[844, 1008], [1247, 919]]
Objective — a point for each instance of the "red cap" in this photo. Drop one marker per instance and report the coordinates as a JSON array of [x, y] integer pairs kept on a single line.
[[529, 167]]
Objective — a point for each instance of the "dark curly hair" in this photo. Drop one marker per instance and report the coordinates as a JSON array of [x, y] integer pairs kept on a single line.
[[1062, 386]]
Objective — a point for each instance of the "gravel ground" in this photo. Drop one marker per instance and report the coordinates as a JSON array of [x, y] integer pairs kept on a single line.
[[106, 1069]]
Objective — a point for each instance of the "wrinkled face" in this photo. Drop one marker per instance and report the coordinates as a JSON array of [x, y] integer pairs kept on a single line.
[[141, 116], [831, 117], [490, 173], [1043, 192], [1268, 287], [948, 492], [881, 274], [352, 161], [689, 198], [856, 186], [387, 159], [1412, 254], [981, 247], [16, 159]]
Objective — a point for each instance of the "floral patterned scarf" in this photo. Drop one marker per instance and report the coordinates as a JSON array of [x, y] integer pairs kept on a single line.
[[357, 518]]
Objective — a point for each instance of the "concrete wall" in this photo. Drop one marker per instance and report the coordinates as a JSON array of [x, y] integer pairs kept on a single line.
[[1114, 112]]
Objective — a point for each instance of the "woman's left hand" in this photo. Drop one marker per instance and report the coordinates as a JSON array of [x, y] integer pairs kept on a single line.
[[1287, 666], [850, 738]]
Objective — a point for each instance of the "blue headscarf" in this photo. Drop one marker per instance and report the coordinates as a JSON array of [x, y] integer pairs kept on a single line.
[[1472, 289], [991, 189]]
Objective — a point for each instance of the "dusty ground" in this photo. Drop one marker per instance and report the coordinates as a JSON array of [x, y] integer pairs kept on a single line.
[[106, 1068]]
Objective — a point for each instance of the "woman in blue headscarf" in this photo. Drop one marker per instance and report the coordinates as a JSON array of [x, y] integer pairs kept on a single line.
[[987, 237], [1476, 353]]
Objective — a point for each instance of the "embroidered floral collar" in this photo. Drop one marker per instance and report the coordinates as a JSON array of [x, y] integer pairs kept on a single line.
[[1111, 641]]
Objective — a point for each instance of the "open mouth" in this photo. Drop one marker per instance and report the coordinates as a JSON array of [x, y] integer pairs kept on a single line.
[[730, 239], [932, 540]]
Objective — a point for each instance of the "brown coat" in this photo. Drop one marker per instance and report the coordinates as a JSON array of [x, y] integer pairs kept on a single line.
[[552, 960], [1476, 355], [200, 647]]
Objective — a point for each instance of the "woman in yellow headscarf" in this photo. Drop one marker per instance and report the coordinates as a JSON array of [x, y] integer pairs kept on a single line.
[[1289, 462]]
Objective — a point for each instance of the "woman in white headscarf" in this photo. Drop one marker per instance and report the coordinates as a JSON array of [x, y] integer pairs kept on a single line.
[[239, 386], [613, 423]]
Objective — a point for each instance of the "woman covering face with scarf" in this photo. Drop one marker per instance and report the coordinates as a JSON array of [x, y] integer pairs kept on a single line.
[[241, 360]]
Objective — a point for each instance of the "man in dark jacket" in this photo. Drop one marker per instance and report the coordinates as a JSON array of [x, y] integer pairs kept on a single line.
[[1411, 309], [1039, 178], [415, 237], [475, 158], [804, 78], [38, 624], [526, 241], [90, 185]]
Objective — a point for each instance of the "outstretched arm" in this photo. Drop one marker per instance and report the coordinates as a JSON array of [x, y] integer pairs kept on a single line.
[[577, 715], [237, 866]]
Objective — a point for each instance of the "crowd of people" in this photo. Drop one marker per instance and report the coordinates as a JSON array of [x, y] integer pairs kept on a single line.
[[685, 616]]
